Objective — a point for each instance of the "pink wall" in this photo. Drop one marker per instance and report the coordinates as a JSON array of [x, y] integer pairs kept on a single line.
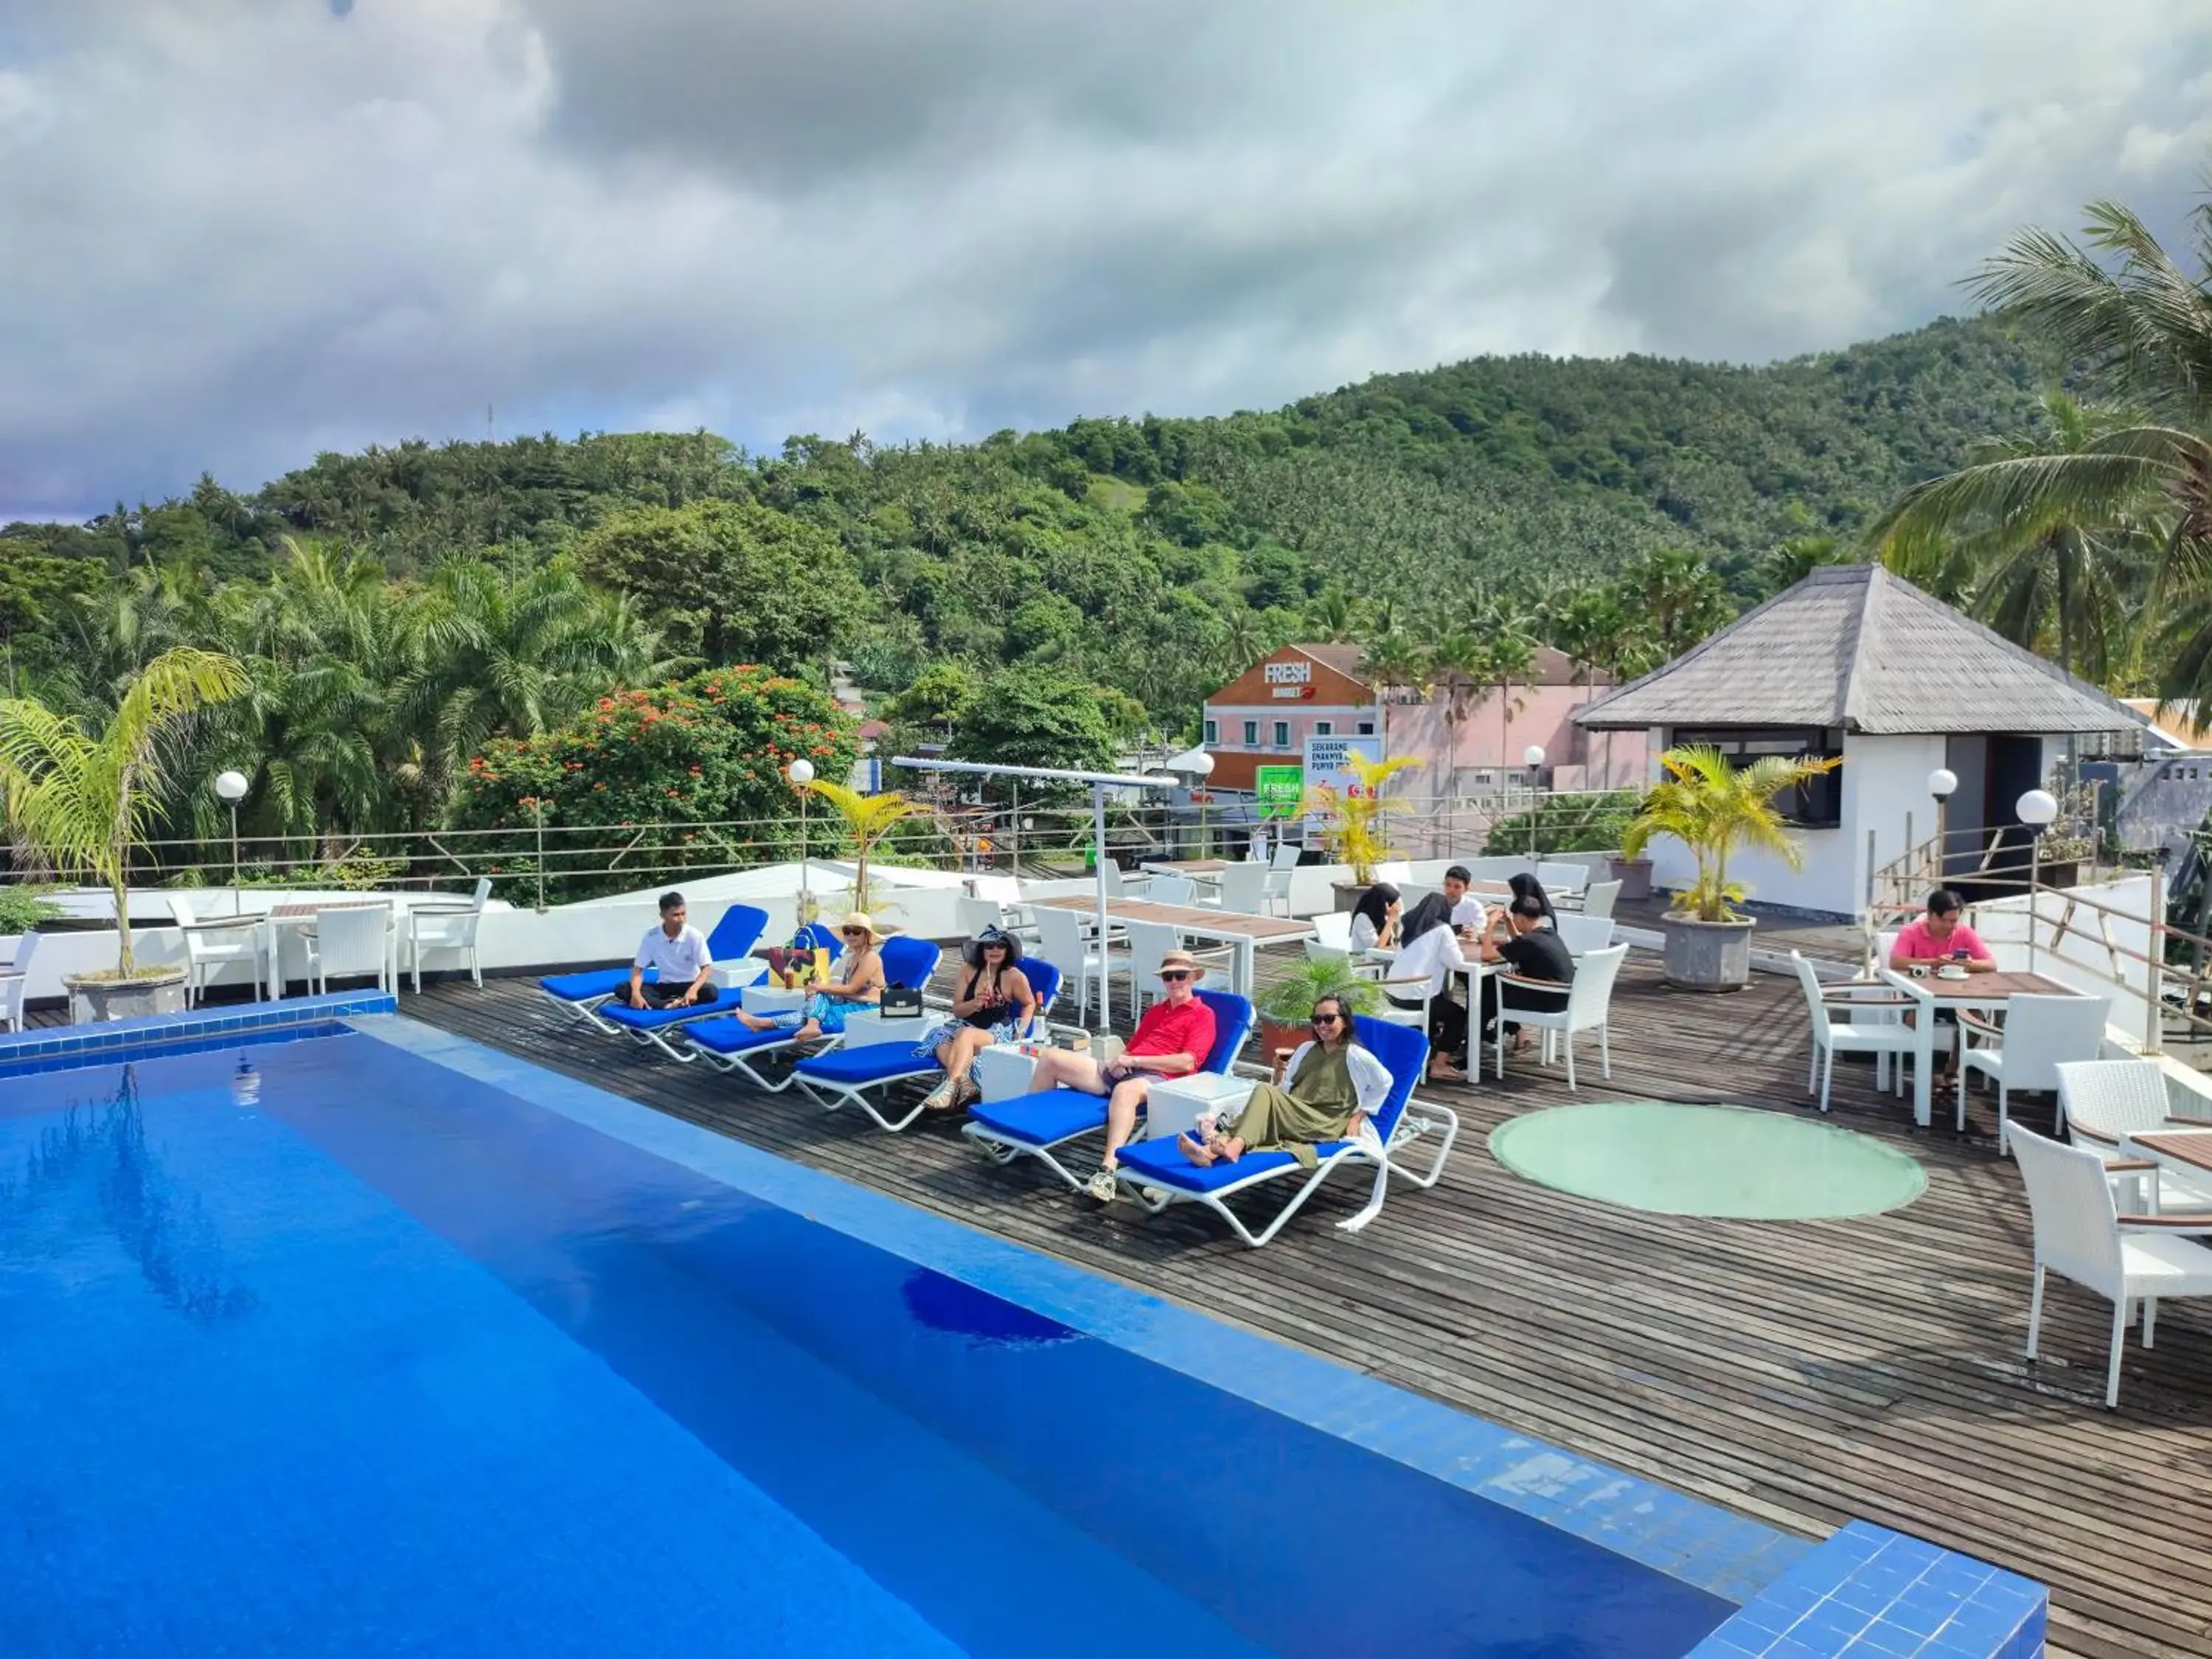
[[1541, 715]]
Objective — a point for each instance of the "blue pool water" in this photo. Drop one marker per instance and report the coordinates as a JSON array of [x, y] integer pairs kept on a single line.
[[395, 1362]]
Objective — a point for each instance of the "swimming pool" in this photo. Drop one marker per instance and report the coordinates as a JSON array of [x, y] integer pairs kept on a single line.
[[393, 1359]]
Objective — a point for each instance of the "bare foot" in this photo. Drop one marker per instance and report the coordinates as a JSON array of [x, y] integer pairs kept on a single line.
[[810, 1030], [753, 1022], [1190, 1149], [1438, 1074], [1229, 1149]]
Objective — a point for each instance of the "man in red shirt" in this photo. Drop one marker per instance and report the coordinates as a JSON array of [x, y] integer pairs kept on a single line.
[[1173, 1039]]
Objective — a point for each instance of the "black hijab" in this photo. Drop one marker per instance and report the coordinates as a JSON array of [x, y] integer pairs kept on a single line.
[[1375, 904], [1525, 885]]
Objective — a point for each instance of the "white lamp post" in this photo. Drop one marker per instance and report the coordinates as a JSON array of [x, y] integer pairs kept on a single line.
[[1942, 783], [2035, 809], [232, 787], [801, 773], [1533, 757]]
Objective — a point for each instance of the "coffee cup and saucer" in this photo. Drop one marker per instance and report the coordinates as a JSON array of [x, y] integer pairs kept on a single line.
[[1951, 970]]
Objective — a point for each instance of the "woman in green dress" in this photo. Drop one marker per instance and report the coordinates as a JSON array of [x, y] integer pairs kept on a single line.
[[1328, 1088]]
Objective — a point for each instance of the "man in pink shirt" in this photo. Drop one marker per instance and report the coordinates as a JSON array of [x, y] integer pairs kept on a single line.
[[1940, 939]]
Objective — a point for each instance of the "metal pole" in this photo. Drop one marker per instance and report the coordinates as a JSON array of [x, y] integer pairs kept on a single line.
[[2154, 971], [802, 890], [541, 858], [1014, 833], [1098, 876], [2034, 881], [237, 903]]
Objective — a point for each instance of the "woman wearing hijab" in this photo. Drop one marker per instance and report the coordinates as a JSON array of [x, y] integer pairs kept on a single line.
[[1375, 919], [992, 1002], [1526, 886]]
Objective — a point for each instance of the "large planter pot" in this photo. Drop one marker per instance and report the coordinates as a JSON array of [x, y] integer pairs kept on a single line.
[[1634, 876], [1284, 1037], [1707, 956], [155, 991], [1347, 894]]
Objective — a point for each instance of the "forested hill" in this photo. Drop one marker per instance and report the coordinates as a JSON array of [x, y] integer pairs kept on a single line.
[[1151, 556]]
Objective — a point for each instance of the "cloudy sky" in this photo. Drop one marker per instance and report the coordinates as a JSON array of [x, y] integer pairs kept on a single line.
[[235, 232]]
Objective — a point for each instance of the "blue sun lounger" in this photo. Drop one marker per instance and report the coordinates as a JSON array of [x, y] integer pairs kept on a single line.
[[728, 1044], [654, 1026], [853, 1076], [1038, 1124], [1159, 1174], [733, 939]]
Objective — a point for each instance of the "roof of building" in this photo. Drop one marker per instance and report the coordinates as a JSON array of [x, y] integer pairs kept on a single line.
[[2175, 728], [1342, 659], [1854, 647]]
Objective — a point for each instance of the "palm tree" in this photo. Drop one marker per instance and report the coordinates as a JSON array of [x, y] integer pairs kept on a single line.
[[2057, 569], [1713, 808], [81, 800], [1459, 663], [868, 819], [1334, 615]]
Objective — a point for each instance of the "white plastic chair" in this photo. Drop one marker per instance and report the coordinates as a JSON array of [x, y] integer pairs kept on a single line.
[[1333, 930], [1568, 879], [1122, 883], [1171, 889], [1588, 1007], [1084, 964], [348, 941], [1244, 888], [1600, 896], [2080, 1235], [13, 980], [972, 916], [1149, 941], [1888, 1036], [2102, 1101], [1582, 934], [448, 927], [217, 943], [1280, 863], [2040, 1034]]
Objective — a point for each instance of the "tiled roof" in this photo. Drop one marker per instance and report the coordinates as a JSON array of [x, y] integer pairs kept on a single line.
[[1855, 647], [1344, 659]]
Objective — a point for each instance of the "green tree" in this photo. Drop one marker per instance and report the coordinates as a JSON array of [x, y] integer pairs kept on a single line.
[[1679, 597], [760, 585], [1023, 717]]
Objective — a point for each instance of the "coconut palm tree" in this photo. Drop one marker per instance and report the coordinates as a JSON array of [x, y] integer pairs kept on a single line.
[[868, 819], [80, 797], [2056, 574], [1461, 663], [1392, 662]]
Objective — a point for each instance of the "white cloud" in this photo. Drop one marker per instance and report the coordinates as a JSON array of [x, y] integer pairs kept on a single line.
[[242, 230]]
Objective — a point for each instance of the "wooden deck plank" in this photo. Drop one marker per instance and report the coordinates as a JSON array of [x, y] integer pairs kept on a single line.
[[1801, 1372]]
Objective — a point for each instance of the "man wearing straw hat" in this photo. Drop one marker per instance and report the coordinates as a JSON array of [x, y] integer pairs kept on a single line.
[[1172, 1040]]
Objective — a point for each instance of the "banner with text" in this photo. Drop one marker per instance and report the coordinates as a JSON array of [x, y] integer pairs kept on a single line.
[[1328, 760]]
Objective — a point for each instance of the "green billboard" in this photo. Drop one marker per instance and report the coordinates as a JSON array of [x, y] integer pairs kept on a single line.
[[1278, 789]]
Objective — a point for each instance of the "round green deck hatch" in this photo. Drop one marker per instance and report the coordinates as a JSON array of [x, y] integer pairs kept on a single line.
[[1719, 1161]]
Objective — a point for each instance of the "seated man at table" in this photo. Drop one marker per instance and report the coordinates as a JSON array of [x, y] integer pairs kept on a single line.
[[1469, 915], [1529, 951], [1173, 1039], [677, 953], [1940, 939]]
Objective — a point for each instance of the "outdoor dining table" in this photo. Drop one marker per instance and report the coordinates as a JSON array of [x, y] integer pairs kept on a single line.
[[1242, 934], [282, 919], [1203, 869], [2187, 1151], [1982, 993]]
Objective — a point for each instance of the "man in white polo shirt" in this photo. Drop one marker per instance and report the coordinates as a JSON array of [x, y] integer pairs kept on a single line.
[[678, 954]]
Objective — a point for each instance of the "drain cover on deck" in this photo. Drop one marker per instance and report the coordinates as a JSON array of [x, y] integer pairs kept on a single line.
[[1721, 1161]]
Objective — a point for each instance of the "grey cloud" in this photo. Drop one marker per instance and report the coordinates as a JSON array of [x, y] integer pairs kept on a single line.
[[229, 239]]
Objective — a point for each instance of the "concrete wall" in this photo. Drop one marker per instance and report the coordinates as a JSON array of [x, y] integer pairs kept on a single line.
[[2080, 956], [1491, 740]]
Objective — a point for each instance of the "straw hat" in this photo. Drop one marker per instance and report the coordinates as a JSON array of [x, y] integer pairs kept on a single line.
[[1184, 960], [972, 951], [860, 919]]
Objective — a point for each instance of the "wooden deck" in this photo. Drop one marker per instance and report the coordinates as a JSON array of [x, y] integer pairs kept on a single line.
[[1803, 1373]]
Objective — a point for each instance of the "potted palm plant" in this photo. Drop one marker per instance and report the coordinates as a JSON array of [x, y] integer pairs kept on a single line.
[[1286, 1006], [1715, 808], [1353, 819], [868, 820], [80, 798]]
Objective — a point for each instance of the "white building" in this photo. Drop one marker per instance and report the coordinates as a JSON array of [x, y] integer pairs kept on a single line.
[[1856, 662]]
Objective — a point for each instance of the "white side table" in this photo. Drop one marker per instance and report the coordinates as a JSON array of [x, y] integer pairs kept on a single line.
[[765, 999], [1174, 1105], [1003, 1071], [734, 975], [867, 1028]]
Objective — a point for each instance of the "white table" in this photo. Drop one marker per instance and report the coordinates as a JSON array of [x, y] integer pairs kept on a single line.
[[280, 920], [1173, 1105], [868, 1028], [1241, 933], [1983, 994], [1004, 1071], [763, 1000]]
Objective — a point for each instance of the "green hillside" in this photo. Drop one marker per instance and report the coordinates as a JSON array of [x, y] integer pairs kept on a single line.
[[1148, 556]]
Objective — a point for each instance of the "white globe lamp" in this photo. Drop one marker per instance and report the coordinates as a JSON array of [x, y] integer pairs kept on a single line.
[[232, 788], [801, 773]]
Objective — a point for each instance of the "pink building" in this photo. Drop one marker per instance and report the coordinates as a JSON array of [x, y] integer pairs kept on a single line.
[[1470, 740]]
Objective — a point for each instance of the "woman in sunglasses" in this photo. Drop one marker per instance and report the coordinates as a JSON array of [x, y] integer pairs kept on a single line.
[[862, 986], [1329, 1087], [991, 1003], [1173, 1039]]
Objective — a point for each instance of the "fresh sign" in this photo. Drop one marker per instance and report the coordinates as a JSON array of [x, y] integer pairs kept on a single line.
[[1278, 789], [1288, 674]]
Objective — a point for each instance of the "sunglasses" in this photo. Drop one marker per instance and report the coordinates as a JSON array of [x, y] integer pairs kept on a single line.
[[854, 932], [1174, 976], [1326, 1019]]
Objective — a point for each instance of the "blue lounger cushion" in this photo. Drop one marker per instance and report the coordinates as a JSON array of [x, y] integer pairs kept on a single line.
[[878, 1062], [657, 1019], [723, 1035], [598, 982], [1163, 1165], [1041, 1119]]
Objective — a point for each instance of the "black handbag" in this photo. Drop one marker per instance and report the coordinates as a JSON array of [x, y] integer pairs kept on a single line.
[[901, 1003]]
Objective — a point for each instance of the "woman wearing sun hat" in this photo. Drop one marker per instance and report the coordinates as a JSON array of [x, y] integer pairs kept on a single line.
[[1173, 1039], [991, 1003], [862, 986]]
